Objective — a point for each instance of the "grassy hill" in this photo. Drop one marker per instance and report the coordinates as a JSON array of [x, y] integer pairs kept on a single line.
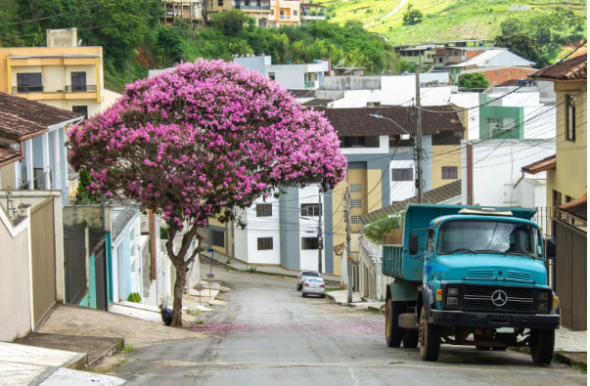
[[443, 19]]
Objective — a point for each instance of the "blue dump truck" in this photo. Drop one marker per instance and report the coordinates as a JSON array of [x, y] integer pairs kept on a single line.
[[470, 275]]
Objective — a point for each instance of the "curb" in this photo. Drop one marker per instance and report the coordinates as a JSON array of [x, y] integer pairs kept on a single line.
[[571, 358]]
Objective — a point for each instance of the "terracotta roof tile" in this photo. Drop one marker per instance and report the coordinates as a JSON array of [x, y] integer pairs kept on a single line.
[[7, 154], [571, 69], [21, 117], [541, 166], [359, 122], [433, 196], [577, 207]]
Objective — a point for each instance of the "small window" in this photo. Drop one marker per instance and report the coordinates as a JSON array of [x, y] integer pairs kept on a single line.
[[265, 243], [309, 243], [78, 81], [495, 123], [355, 219], [294, 12], [310, 209], [82, 110], [406, 174], [356, 203], [449, 173], [556, 199], [356, 188], [220, 3], [570, 117], [218, 238], [271, 75], [30, 82], [263, 210]]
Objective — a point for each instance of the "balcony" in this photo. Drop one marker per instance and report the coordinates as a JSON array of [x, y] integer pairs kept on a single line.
[[68, 89], [258, 6]]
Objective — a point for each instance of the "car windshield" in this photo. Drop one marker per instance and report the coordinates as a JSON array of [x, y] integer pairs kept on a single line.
[[315, 274], [475, 237]]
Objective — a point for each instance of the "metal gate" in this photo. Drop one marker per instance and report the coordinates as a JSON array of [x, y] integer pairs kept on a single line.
[[75, 261], [570, 274], [98, 249], [44, 259]]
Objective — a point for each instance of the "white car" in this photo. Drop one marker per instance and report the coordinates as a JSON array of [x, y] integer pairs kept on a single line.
[[305, 274], [313, 286]]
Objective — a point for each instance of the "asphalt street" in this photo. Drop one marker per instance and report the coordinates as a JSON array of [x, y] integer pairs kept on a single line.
[[268, 334]]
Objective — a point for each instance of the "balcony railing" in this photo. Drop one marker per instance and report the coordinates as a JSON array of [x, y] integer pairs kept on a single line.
[[263, 6], [68, 88]]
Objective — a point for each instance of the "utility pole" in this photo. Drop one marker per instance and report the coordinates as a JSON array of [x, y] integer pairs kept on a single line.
[[320, 238], [348, 257], [418, 142]]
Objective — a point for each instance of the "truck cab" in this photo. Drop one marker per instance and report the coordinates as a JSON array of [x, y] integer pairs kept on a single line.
[[470, 276]]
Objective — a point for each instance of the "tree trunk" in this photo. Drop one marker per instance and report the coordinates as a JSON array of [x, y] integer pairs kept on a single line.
[[178, 292]]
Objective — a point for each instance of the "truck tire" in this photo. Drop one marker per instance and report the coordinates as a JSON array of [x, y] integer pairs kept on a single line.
[[542, 343], [410, 339], [393, 333], [429, 339]]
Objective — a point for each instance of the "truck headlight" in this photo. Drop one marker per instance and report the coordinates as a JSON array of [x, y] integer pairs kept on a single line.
[[452, 301], [453, 291], [543, 295], [543, 306]]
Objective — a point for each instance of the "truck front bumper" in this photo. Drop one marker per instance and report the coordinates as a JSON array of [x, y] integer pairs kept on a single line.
[[493, 320]]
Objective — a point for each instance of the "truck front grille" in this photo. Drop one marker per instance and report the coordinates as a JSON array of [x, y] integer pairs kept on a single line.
[[493, 298]]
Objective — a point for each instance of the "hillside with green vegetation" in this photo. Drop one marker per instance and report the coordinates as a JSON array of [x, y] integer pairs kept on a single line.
[[134, 42], [558, 23]]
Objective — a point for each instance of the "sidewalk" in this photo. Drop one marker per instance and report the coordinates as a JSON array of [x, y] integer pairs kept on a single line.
[[570, 346]]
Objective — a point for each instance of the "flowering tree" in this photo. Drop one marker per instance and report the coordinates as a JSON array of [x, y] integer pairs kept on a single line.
[[200, 142]]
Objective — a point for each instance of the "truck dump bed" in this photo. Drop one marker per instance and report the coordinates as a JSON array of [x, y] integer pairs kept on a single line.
[[396, 259]]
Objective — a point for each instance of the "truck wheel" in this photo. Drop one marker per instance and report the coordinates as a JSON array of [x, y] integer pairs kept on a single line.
[[542, 344], [429, 339], [393, 333], [410, 339]]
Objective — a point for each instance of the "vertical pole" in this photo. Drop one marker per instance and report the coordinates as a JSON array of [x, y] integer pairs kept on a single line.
[[348, 257], [320, 238], [418, 143]]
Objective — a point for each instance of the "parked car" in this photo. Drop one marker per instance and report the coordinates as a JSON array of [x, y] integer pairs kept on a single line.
[[313, 286], [305, 274]]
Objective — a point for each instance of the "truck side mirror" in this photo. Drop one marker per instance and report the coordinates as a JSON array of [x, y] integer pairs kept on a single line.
[[550, 248], [413, 244]]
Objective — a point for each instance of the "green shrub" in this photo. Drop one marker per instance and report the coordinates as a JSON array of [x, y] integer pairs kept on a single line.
[[134, 297]]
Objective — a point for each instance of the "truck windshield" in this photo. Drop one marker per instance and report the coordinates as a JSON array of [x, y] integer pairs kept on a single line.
[[475, 237]]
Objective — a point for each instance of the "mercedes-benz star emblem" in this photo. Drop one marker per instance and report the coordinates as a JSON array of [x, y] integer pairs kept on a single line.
[[499, 298]]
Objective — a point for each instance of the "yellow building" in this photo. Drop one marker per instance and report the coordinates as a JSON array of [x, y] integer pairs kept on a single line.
[[61, 75], [284, 12], [567, 177]]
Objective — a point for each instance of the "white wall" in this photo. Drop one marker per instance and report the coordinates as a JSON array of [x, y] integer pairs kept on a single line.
[[383, 147], [497, 166], [401, 190], [468, 100], [308, 227]]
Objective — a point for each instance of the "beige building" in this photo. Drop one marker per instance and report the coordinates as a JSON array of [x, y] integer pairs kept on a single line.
[[61, 75], [284, 12]]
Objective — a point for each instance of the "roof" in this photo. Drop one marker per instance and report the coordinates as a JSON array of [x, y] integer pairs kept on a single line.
[[571, 69], [21, 118], [7, 155], [308, 5], [121, 221], [440, 194], [577, 207], [541, 166], [397, 120], [483, 59]]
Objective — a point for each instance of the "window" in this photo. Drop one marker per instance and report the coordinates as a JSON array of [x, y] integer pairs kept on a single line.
[[355, 219], [556, 198], [271, 75], [264, 243], [402, 174], [294, 12], [356, 188], [309, 243], [217, 239], [366, 141], [78, 81], [449, 173], [263, 210], [310, 209], [570, 118], [82, 110], [30, 82], [220, 3], [495, 123], [568, 199], [356, 203]]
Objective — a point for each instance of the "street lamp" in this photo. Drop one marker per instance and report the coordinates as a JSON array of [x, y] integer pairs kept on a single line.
[[417, 151]]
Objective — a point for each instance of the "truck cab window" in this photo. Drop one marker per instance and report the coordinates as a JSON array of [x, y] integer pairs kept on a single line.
[[430, 241]]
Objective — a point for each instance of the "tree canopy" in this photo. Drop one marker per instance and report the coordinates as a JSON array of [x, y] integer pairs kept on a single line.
[[202, 141], [474, 81], [412, 16]]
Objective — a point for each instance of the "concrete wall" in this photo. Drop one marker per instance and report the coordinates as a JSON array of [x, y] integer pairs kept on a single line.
[[497, 168], [15, 279]]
